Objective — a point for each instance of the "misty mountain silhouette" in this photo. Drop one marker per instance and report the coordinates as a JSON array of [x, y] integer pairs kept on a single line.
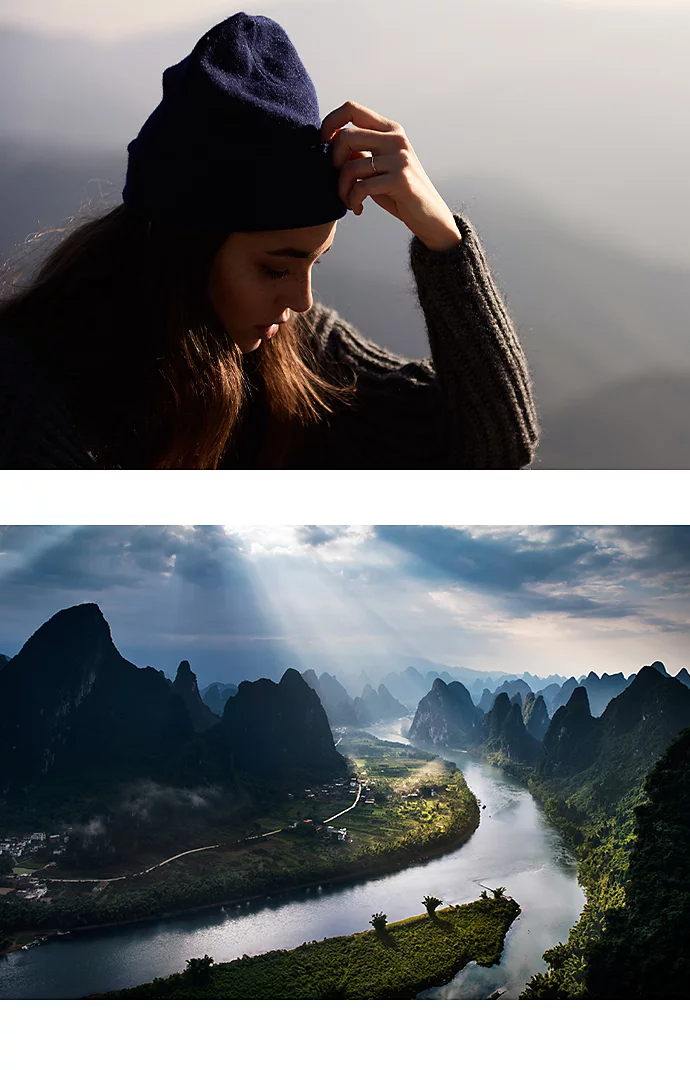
[[339, 707], [75, 716], [280, 730], [378, 705], [186, 687], [216, 694], [614, 751], [71, 707]]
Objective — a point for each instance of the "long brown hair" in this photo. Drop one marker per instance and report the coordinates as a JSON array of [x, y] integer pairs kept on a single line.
[[120, 317]]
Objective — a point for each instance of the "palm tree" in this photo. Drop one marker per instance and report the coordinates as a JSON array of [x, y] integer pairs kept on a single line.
[[198, 971], [431, 903], [498, 892], [379, 922]]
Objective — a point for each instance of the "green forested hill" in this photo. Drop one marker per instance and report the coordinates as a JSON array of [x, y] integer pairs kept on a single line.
[[590, 776], [645, 951]]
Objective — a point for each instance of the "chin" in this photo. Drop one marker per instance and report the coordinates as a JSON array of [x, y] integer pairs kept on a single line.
[[251, 345]]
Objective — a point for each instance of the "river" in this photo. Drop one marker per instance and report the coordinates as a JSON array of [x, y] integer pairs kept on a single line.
[[514, 846]]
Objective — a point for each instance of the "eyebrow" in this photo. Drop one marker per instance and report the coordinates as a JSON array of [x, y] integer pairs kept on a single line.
[[297, 253]]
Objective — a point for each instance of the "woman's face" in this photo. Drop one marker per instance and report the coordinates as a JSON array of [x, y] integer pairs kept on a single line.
[[258, 277]]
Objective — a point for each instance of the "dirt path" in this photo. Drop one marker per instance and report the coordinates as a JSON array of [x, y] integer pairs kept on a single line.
[[128, 876], [359, 793]]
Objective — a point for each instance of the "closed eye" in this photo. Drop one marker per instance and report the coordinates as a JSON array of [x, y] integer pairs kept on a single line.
[[280, 274]]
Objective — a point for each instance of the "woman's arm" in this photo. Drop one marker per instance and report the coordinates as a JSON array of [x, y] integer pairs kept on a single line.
[[470, 407], [487, 407], [480, 364]]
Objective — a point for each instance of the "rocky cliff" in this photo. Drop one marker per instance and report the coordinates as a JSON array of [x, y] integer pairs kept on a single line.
[[535, 715], [280, 731], [446, 717], [505, 733], [186, 687], [72, 707], [340, 708]]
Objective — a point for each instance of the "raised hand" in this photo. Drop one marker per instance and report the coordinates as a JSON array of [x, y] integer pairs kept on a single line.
[[376, 160]]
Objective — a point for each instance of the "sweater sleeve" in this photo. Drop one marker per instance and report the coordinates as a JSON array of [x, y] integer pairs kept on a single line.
[[476, 353], [470, 407]]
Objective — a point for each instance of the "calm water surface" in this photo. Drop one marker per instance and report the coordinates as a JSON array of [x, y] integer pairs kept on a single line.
[[514, 846]]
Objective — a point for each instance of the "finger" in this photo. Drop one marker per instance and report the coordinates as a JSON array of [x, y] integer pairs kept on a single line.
[[369, 187], [353, 139], [351, 112], [363, 167]]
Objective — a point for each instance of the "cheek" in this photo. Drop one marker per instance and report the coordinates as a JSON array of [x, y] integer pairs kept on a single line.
[[228, 292]]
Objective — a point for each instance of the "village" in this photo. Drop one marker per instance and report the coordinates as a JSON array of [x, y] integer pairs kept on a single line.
[[19, 861], [364, 792], [21, 850]]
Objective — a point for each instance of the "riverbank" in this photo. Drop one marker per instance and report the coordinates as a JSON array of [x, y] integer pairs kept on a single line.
[[409, 957], [382, 867], [513, 847], [424, 809]]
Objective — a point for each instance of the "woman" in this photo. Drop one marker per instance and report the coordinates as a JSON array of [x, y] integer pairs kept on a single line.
[[178, 330]]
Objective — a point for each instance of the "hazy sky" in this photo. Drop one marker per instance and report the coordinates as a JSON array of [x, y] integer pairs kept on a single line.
[[113, 21], [240, 603]]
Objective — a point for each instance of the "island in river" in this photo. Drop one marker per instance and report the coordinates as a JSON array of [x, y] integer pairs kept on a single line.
[[395, 961]]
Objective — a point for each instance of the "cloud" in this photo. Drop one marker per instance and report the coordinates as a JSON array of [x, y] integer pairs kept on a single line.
[[102, 558], [314, 535], [582, 571], [242, 602]]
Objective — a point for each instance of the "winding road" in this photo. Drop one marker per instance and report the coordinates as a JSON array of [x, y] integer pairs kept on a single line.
[[126, 876]]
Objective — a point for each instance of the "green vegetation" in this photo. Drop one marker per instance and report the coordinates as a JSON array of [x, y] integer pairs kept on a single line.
[[633, 864], [602, 843], [592, 776], [595, 810], [198, 972], [421, 806], [397, 962], [644, 950]]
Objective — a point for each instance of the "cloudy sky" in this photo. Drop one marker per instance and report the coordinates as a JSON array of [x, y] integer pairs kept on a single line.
[[110, 22], [240, 603]]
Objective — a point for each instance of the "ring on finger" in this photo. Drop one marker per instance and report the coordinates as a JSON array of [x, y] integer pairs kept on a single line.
[[371, 159]]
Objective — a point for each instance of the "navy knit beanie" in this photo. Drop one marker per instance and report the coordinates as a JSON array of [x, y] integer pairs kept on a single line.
[[234, 143]]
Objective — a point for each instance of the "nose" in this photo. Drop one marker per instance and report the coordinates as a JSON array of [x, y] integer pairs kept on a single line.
[[299, 298]]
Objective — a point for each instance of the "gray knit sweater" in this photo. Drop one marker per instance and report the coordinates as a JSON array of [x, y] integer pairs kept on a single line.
[[469, 407]]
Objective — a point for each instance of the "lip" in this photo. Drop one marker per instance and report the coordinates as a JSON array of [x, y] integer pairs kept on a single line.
[[268, 329]]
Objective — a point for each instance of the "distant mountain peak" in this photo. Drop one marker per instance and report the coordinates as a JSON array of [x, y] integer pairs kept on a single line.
[[446, 716], [186, 687]]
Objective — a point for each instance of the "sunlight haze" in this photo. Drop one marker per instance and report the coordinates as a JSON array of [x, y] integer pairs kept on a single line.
[[130, 17]]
